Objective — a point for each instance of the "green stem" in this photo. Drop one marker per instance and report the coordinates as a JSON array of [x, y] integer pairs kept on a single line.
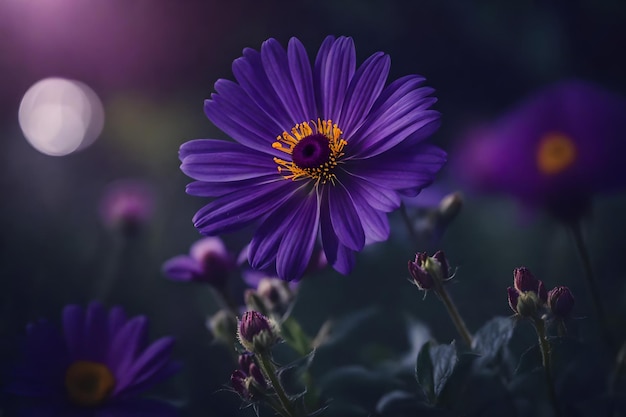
[[454, 314], [583, 253], [546, 361], [409, 224], [270, 371]]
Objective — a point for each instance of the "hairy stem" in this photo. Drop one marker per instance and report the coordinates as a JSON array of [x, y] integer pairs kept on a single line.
[[546, 361], [265, 361]]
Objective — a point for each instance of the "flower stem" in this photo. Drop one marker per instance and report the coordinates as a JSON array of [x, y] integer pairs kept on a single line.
[[269, 369], [454, 314], [583, 253], [546, 361]]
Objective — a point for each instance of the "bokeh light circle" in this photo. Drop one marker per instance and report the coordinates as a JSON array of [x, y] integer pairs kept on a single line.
[[59, 116]]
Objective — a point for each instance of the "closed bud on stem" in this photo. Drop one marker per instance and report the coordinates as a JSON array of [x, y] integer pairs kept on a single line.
[[256, 332], [223, 326], [276, 295], [421, 277], [528, 305], [560, 302]]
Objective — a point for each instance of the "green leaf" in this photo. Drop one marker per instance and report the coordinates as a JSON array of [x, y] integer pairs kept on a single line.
[[492, 337], [295, 337], [434, 367]]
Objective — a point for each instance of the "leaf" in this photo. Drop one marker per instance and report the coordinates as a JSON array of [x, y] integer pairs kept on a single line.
[[424, 372], [295, 337], [492, 337], [434, 367], [444, 359], [400, 403]]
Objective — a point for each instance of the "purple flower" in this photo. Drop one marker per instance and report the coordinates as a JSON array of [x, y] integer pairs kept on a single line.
[[256, 332], [556, 149], [97, 368], [127, 205], [208, 261], [319, 150]]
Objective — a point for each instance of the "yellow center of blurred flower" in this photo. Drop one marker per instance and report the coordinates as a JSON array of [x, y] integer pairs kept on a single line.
[[556, 152], [315, 150], [88, 383]]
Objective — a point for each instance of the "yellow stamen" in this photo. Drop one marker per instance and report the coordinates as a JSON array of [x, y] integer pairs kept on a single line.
[[288, 141], [88, 383], [555, 153]]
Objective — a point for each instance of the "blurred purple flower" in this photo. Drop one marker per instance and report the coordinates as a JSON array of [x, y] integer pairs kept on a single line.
[[97, 369], [556, 149], [127, 205], [208, 261], [327, 149]]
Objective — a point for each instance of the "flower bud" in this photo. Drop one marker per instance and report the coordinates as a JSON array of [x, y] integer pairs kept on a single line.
[[256, 332], [560, 302], [223, 326], [443, 269], [276, 295], [238, 382], [528, 304], [421, 277], [524, 280], [249, 367]]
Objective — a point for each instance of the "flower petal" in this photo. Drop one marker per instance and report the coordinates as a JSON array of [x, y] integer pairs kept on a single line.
[[390, 125], [334, 67], [74, 329], [182, 268], [363, 91], [147, 369], [276, 66], [126, 345], [344, 217], [380, 198], [402, 170], [250, 75], [221, 161], [237, 209], [300, 68], [266, 241], [96, 340], [218, 189], [236, 115], [375, 223], [338, 255], [297, 244]]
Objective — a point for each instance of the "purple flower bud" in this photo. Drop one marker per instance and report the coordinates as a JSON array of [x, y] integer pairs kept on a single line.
[[441, 258], [127, 205], [561, 302], [256, 332], [420, 276], [238, 382], [524, 280], [513, 297], [245, 360], [257, 376]]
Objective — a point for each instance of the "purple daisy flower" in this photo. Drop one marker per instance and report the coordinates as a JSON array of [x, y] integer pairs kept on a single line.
[[321, 150], [208, 261], [556, 149], [97, 368]]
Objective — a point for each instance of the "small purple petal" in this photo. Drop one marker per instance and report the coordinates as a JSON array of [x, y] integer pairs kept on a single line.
[[300, 68], [182, 268], [126, 344], [96, 338]]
